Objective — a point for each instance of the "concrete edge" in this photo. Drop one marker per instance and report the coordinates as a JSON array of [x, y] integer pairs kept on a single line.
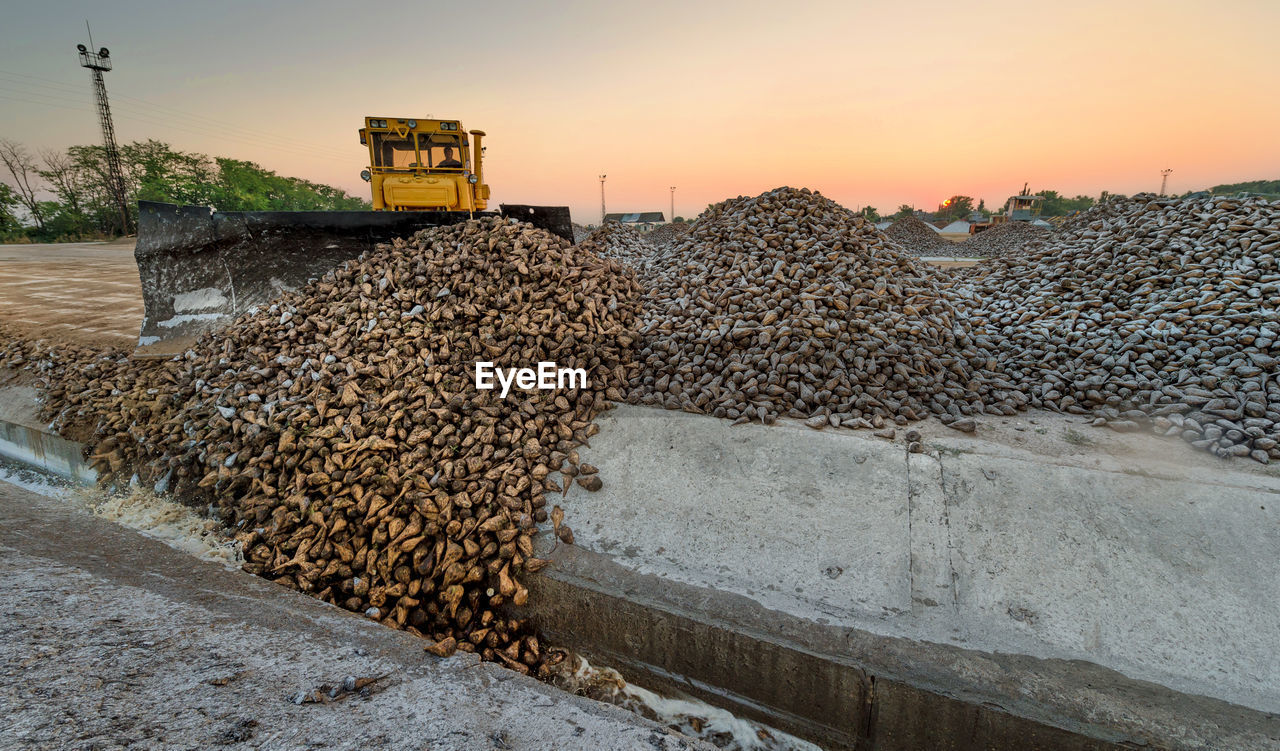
[[848, 688], [46, 451]]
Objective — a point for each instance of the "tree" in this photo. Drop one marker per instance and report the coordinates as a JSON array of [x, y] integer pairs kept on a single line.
[[245, 186], [903, 212], [1268, 188], [83, 204], [157, 172], [8, 210], [22, 168], [71, 182], [1058, 205], [870, 214], [955, 207]]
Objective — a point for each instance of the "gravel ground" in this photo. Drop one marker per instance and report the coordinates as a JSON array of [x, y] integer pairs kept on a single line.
[[111, 640]]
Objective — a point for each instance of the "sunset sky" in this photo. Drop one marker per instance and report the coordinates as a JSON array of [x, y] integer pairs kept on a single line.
[[879, 103]]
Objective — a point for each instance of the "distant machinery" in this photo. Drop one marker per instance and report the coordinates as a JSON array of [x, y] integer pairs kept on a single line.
[[1023, 207]]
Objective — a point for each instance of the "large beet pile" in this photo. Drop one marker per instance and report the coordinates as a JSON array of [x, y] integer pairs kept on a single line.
[[789, 304], [1005, 239], [918, 238], [666, 234], [341, 435], [1149, 311], [620, 242]]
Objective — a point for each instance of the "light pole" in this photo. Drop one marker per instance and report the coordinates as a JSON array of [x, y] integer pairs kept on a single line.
[[602, 177], [100, 62], [673, 203]]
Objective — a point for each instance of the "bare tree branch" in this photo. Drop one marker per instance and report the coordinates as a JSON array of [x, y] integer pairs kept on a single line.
[[22, 167]]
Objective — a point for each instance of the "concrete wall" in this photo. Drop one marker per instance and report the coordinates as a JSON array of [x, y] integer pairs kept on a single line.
[[1106, 598], [23, 440]]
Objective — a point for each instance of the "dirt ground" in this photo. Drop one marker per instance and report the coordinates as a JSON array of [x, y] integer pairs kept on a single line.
[[86, 293], [953, 264]]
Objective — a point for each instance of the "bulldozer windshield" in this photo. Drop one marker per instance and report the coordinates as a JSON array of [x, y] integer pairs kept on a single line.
[[440, 151], [391, 151]]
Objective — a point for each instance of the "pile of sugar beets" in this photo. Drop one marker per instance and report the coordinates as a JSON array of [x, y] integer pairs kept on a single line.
[[340, 434]]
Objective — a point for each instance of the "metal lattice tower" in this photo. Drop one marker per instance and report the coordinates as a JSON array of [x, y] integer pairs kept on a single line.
[[99, 62], [1164, 179]]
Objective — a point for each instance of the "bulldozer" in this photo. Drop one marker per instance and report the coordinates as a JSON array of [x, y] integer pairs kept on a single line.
[[1023, 207], [423, 165], [201, 268]]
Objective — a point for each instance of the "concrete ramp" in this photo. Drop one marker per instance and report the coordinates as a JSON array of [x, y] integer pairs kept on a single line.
[[973, 592]]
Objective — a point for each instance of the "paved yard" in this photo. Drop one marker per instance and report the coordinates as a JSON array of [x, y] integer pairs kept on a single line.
[[82, 292]]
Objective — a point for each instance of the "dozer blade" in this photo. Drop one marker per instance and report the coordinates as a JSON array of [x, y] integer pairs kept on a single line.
[[200, 268]]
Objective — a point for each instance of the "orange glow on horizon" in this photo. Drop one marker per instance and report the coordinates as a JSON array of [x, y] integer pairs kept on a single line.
[[872, 104]]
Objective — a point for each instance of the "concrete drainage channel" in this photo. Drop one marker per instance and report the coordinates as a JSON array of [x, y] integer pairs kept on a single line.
[[647, 590], [42, 462], [795, 684]]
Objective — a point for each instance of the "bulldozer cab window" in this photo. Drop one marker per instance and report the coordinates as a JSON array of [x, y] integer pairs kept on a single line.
[[440, 151], [393, 152]]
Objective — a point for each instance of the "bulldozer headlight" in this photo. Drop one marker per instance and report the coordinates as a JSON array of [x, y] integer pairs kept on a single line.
[[472, 179], [364, 175], [413, 123]]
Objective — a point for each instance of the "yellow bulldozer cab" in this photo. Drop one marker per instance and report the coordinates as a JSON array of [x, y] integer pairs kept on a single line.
[[419, 164]]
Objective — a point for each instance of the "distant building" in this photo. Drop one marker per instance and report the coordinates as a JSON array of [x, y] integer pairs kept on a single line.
[[643, 221]]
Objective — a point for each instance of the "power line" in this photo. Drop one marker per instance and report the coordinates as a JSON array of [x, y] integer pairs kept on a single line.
[[241, 142], [133, 115], [204, 120], [211, 126], [45, 104], [46, 81]]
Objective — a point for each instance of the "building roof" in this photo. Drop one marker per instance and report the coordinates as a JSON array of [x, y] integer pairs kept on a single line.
[[642, 217]]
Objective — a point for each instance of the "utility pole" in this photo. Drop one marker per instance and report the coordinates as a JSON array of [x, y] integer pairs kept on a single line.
[[673, 203], [1164, 179], [602, 177], [99, 62]]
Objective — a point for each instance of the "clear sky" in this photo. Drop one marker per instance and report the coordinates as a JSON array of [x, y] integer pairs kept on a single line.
[[878, 103]]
